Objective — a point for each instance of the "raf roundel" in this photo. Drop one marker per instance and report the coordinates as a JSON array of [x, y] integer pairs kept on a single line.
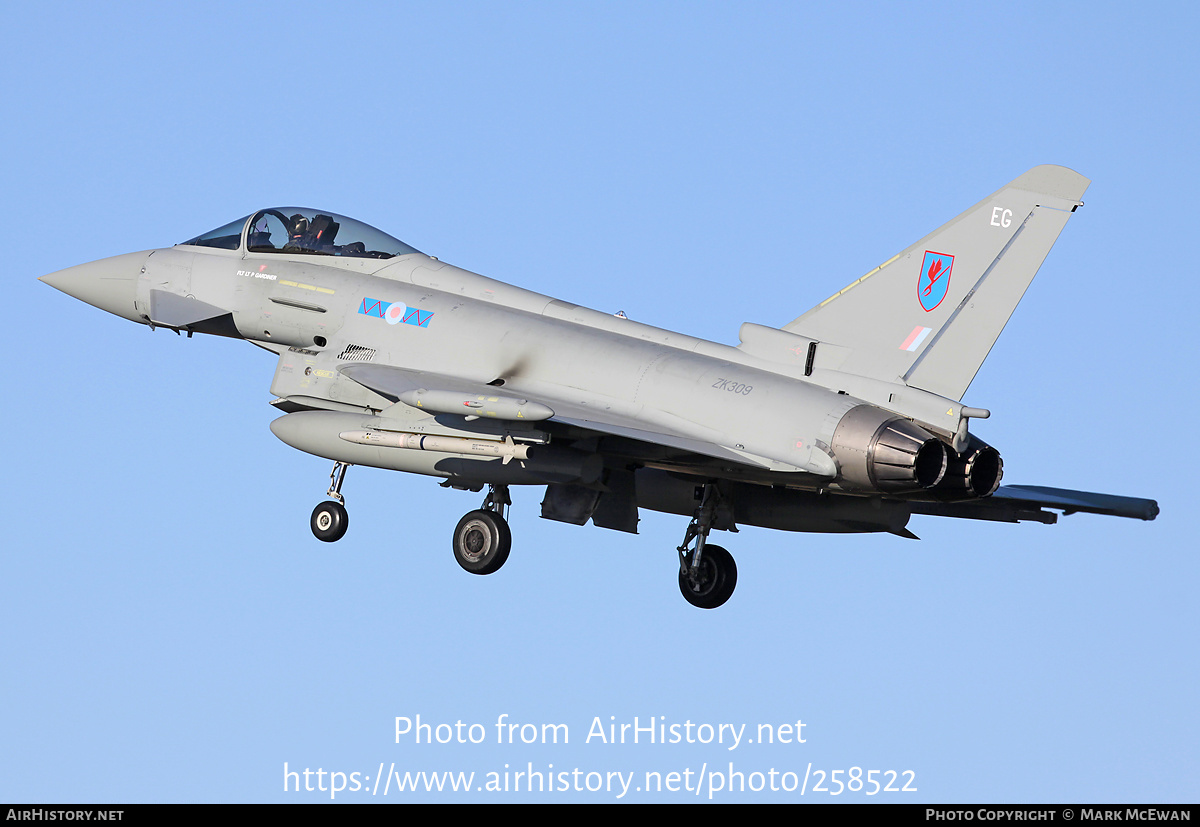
[[395, 313]]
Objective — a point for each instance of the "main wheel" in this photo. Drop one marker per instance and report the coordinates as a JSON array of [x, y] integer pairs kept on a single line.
[[482, 541], [717, 578], [329, 522]]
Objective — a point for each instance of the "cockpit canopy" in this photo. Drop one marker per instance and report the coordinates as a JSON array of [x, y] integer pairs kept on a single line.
[[301, 231]]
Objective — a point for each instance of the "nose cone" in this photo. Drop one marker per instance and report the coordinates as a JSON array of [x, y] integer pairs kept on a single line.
[[110, 283]]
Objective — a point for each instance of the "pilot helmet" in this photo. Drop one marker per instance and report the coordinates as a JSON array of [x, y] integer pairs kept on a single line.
[[298, 226]]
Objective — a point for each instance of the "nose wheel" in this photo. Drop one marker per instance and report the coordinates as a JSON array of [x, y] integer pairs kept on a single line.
[[329, 522], [329, 519], [482, 538]]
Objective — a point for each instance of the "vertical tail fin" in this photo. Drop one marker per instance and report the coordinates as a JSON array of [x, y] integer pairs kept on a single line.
[[930, 315]]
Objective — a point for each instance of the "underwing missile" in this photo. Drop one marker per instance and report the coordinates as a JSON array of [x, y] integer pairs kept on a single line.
[[507, 450]]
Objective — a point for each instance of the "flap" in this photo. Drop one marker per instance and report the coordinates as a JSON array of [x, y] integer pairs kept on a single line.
[[1069, 501]]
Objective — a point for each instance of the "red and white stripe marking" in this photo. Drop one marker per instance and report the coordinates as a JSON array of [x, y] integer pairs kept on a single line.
[[915, 338]]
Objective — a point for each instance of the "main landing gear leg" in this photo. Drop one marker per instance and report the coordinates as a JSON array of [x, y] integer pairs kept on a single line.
[[329, 520], [482, 538], [707, 573]]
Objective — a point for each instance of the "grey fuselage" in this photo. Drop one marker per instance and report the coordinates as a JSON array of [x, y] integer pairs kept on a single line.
[[671, 409], [478, 328], [849, 418]]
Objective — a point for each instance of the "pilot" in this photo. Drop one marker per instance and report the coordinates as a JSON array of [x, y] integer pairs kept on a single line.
[[297, 230]]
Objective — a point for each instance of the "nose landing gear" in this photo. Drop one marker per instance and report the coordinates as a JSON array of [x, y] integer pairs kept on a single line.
[[329, 519], [482, 538]]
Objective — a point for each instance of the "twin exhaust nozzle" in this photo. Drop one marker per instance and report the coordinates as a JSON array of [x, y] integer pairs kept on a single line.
[[879, 451]]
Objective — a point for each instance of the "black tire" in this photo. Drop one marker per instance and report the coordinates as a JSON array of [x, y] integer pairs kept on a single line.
[[329, 522], [482, 541], [718, 577]]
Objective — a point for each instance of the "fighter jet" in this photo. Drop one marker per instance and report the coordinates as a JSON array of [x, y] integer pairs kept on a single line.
[[848, 419]]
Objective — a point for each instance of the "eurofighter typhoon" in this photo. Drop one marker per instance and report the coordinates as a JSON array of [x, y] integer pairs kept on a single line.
[[848, 419]]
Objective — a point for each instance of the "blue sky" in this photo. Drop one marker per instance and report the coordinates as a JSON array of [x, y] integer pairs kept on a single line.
[[171, 631]]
